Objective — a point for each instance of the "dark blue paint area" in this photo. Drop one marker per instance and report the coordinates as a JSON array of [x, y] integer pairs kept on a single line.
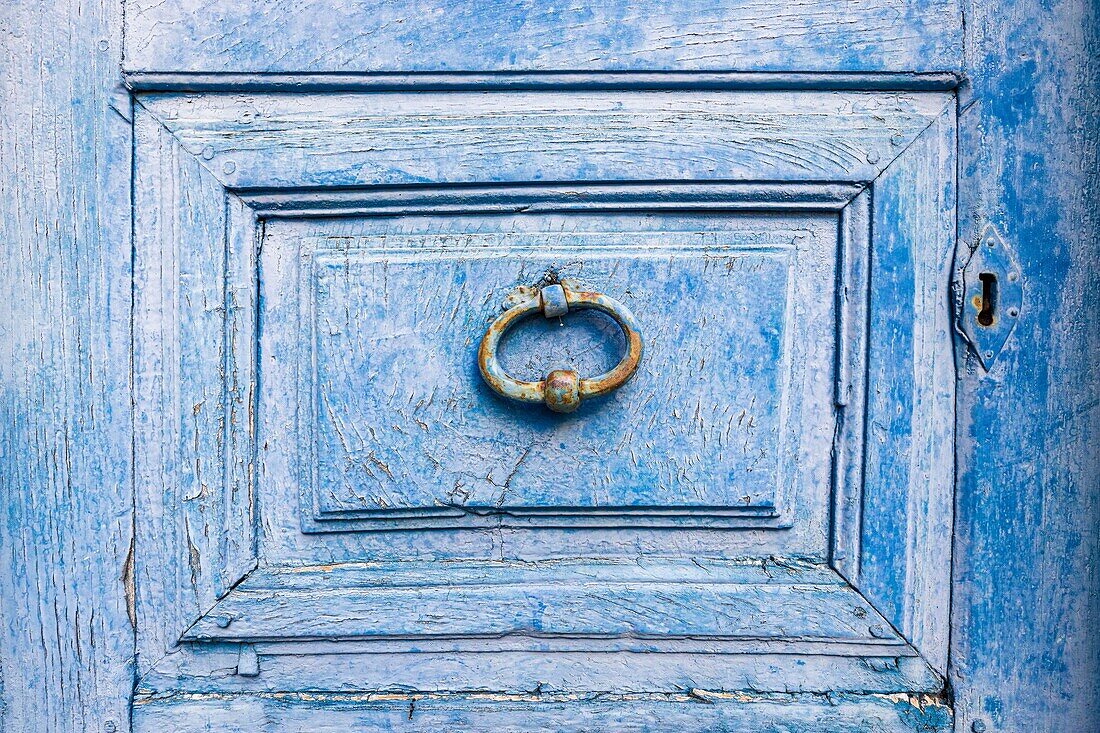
[[1026, 593]]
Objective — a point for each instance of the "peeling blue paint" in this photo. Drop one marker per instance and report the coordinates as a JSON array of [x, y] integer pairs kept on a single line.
[[607, 616]]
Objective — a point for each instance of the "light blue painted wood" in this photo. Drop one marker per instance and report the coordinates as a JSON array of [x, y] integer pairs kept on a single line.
[[905, 546], [698, 711], [212, 535], [66, 503], [293, 141], [730, 425], [371, 298], [528, 35], [207, 668], [185, 455], [578, 605]]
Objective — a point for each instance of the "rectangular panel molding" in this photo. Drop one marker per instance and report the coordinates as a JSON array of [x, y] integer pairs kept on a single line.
[[421, 437], [322, 474]]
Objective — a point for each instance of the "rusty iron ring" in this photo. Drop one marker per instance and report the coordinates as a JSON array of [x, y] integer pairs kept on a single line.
[[563, 389]]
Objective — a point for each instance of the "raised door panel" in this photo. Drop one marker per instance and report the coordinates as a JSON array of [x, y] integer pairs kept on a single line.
[[323, 473], [379, 320]]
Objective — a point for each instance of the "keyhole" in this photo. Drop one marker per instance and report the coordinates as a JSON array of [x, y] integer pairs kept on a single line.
[[989, 298]]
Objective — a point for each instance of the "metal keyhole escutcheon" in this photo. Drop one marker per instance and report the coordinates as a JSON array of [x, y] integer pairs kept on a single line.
[[562, 390]]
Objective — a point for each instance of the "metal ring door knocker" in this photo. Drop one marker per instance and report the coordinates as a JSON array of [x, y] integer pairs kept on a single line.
[[563, 389]]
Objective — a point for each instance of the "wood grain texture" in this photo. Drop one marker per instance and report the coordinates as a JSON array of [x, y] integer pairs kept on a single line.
[[66, 642], [853, 264], [835, 81], [703, 428], [624, 601], [319, 172], [346, 666], [526, 35], [692, 713], [1026, 654], [324, 141], [1027, 585], [905, 546], [193, 473]]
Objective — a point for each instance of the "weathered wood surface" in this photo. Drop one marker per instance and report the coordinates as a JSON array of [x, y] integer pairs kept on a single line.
[[1026, 653], [299, 140], [727, 602], [286, 667], [528, 35], [727, 396], [695, 711], [194, 457], [908, 478], [203, 160], [1026, 594], [66, 641]]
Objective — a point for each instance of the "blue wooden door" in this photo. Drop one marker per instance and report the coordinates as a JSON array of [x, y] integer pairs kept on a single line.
[[508, 366]]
